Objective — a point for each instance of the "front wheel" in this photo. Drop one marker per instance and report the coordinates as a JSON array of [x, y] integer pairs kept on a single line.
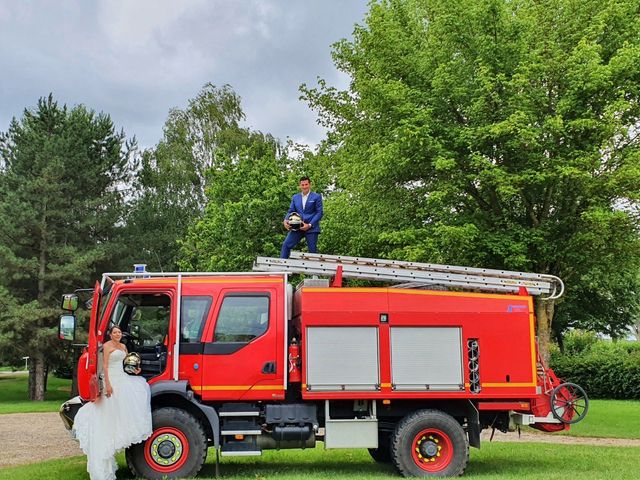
[[177, 447], [429, 443]]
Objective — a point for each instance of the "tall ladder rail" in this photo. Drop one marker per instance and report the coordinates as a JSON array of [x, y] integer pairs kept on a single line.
[[395, 271]]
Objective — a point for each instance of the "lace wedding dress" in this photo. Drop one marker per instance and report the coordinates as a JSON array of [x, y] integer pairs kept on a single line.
[[112, 424]]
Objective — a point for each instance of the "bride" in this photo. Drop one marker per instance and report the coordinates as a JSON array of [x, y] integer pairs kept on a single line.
[[123, 418]]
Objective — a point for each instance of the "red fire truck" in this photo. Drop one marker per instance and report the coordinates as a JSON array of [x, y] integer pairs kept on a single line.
[[242, 362]]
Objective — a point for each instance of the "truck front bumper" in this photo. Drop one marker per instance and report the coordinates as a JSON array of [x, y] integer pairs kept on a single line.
[[69, 409]]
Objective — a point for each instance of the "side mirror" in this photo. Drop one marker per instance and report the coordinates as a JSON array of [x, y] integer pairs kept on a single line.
[[69, 302], [67, 327]]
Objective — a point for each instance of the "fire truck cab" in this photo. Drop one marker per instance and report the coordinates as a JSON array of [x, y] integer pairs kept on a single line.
[[243, 363]]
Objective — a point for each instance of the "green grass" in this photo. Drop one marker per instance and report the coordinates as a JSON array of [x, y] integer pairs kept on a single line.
[[496, 461], [14, 399], [609, 419]]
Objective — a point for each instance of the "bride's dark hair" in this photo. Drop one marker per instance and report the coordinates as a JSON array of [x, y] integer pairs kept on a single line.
[[110, 329]]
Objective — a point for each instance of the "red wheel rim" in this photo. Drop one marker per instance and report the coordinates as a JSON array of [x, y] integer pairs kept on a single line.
[[564, 402], [432, 450], [166, 450]]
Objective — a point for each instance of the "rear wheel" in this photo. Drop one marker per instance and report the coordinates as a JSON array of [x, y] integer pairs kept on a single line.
[[177, 447], [429, 443]]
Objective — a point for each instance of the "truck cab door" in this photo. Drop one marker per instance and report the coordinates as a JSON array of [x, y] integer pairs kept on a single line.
[[144, 316], [88, 385], [243, 354]]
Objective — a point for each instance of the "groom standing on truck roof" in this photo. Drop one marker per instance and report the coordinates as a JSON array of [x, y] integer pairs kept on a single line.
[[308, 206]]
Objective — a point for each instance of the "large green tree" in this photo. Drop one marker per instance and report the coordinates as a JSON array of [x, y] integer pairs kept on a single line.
[[248, 194], [169, 193], [496, 133], [63, 180]]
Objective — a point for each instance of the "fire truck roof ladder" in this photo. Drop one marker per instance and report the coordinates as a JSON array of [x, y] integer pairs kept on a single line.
[[413, 274]]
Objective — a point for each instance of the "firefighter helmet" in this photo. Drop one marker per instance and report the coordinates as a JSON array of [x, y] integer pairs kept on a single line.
[[131, 363], [295, 221]]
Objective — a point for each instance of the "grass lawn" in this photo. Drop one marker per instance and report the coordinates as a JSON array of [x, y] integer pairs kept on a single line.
[[13, 394], [496, 461], [609, 418]]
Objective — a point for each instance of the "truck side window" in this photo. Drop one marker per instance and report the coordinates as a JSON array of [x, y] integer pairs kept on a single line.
[[193, 313], [242, 318]]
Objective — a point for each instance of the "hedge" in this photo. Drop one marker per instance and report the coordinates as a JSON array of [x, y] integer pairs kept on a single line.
[[603, 368]]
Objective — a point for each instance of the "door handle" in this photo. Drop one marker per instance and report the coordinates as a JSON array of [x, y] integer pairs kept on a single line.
[[269, 367]]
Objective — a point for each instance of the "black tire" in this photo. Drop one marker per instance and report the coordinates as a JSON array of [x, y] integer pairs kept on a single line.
[[429, 443], [178, 441]]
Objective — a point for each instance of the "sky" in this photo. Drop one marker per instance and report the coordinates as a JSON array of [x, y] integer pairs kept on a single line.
[[137, 59]]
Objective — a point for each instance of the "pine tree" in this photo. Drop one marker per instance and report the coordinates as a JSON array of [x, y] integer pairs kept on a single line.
[[63, 174]]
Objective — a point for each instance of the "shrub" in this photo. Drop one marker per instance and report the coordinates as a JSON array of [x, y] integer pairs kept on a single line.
[[603, 368]]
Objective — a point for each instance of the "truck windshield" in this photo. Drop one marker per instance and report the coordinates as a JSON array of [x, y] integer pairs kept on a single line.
[[144, 316]]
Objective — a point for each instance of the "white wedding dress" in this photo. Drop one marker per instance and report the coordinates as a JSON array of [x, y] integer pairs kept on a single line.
[[112, 424]]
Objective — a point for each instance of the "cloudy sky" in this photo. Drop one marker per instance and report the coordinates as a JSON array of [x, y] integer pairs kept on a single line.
[[136, 59]]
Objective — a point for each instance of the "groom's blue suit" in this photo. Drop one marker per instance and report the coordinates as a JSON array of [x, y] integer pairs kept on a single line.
[[311, 214]]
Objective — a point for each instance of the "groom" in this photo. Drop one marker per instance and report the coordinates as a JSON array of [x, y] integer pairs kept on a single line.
[[309, 206]]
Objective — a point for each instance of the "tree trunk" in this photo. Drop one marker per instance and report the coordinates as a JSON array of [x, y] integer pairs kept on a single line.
[[38, 385], [544, 317], [36, 390], [32, 375], [557, 334]]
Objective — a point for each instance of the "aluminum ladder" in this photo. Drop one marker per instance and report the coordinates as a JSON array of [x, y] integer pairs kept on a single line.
[[413, 274]]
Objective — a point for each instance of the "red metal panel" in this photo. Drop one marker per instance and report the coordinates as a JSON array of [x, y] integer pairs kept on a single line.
[[503, 324], [238, 375], [504, 406], [384, 335], [145, 286], [332, 307], [87, 364]]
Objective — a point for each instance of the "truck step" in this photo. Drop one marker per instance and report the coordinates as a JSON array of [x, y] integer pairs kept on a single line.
[[240, 427], [240, 449], [239, 410]]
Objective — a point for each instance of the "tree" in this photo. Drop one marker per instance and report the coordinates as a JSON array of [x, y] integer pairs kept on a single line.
[[62, 184], [491, 133], [600, 306], [171, 183], [249, 191]]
